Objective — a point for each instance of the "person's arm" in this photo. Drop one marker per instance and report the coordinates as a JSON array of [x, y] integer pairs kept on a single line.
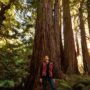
[[41, 73], [53, 70]]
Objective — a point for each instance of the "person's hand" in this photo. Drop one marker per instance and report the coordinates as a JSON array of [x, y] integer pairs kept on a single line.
[[40, 80], [54, 80]]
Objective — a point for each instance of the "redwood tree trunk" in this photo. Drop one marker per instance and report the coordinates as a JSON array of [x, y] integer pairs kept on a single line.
[[88, 10], [57, 31], [44, 44], [69, 45], [86, 57], [63, 68]]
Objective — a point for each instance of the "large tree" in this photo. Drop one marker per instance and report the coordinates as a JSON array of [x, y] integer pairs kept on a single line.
[[61, 39], [44, 43], [57, 30], [69, 45], [86, 57]]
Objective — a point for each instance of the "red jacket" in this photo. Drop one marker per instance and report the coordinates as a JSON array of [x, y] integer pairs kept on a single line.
[[44, 68]]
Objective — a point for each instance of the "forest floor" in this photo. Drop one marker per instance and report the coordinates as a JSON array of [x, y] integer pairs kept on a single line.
[[73, 82]]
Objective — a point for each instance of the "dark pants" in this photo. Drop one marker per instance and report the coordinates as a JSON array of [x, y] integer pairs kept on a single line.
[[51, 82]]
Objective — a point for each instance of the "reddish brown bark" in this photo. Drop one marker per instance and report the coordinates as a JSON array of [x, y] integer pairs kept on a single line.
[[69, 45], [57, 31], [88, 10], [63, 68], [86, 57], [44, 43]]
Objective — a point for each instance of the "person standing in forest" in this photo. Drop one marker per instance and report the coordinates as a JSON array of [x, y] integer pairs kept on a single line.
[[46, 73]]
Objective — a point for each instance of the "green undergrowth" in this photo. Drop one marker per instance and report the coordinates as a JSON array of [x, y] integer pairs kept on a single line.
[[73, 82], [6, 83]]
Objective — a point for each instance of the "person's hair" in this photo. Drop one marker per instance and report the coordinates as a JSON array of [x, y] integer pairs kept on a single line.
[[46, 56]]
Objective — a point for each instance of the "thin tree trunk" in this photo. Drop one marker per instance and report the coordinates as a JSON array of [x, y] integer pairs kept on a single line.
[[86, 57], [89, 18], [88, 10], [77, 45], [69, 45]]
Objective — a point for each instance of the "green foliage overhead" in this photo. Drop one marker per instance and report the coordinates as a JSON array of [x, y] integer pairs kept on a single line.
[[16, 42]]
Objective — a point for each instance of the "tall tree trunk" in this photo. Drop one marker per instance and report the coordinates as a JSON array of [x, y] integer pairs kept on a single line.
[[63, 68], [57, 30], [88, 10], [69, 45], [44, 43], [86, 57]]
